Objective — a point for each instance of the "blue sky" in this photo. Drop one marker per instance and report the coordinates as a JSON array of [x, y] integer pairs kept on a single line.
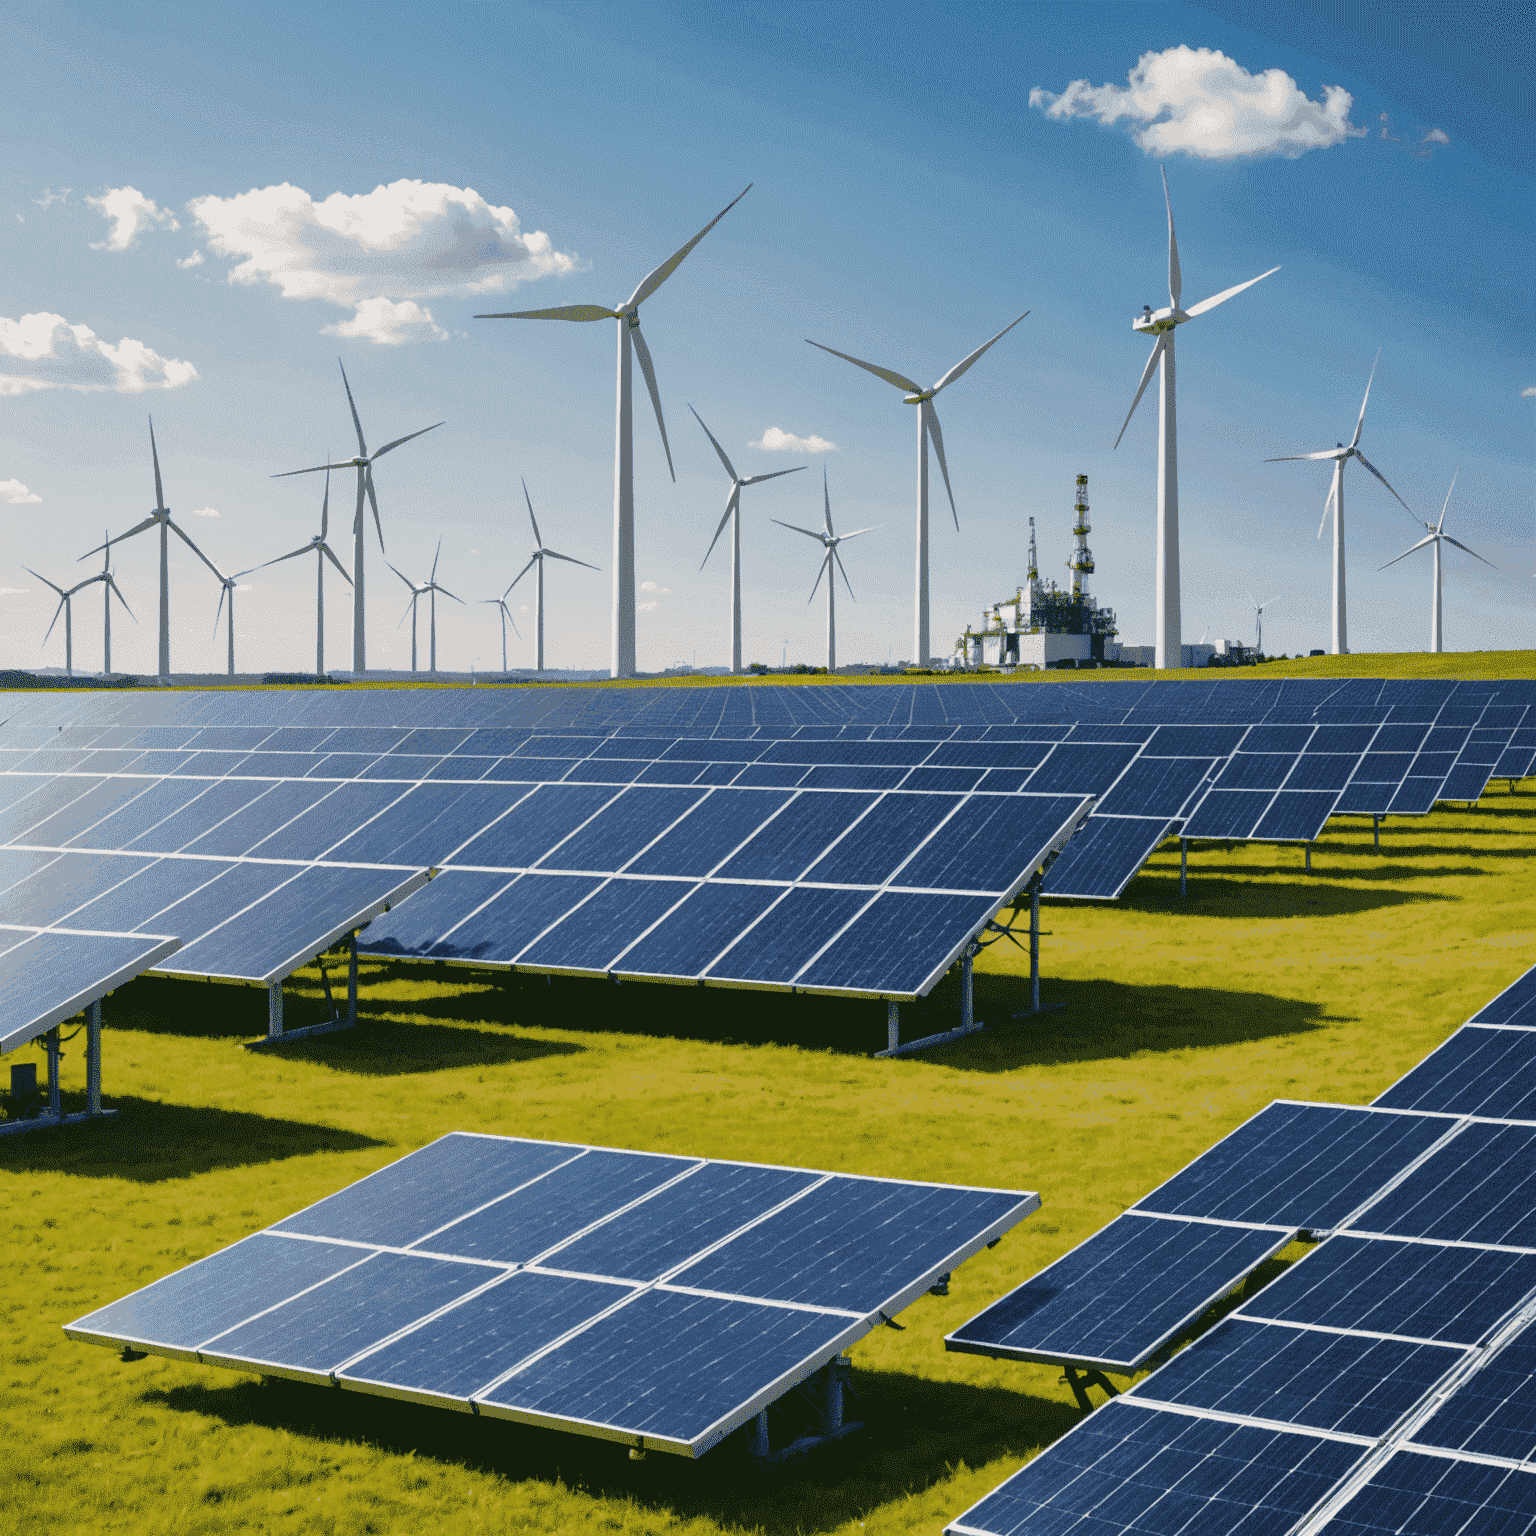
[[908, 201]]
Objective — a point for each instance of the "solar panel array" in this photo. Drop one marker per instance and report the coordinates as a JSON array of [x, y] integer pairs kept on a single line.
[[1386, 1382], [656, 1300]]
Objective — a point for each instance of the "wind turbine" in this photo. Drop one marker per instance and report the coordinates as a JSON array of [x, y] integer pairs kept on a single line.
[[733, 516], [66, 597], [1169, 632], [540, 552], [1258, 619], [505, 613], [927, 427], [829, 541], [363, 464], [109, 586], [628, 316], [1341, 456], [322, 552], [161, 516], [1436, 536], [419, 591]]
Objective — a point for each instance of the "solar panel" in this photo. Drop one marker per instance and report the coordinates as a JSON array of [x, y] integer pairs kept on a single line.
[[1492, 1412], [1129, 1468], [1481, 1070], [1417, 1493], [657, 1300], [1514, 1006], [49, 975], [1103, 858]]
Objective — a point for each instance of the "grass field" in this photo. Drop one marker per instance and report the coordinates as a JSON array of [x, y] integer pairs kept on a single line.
[[1180, 1017]]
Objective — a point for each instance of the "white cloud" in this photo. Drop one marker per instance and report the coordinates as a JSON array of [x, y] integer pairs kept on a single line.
[[14, 494], [131, 213], [1525, 394], [205, 512], [1436, 136], [1197, 101], [651, 586], [50, 197], [188, 262], [383, 320], [646, 607], [12, 591], [44, 351], [775, 440], [408, 240], [244, 586]]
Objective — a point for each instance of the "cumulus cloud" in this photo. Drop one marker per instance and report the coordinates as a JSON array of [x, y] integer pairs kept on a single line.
[[50, 197], [1197, 101], [651, 586], [1525, 394], [406, 241], [1436, 136], [12, 591], [130, 214], [777, 441], [205, 512], [14, 494], [647, 607], [384, 321], [188, 262], [44, 351]]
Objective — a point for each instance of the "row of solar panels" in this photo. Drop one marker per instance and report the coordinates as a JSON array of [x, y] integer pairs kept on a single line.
[[1386, 1382], [658, 1300], [1244, 699]]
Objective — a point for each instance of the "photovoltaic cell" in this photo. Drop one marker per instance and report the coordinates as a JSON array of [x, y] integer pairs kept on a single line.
[[1228, 813], [1415, 1494], [1492, 1412], [1516, 1004], [789, 933], [901, 943], [1480, 1070], [1103, 856], [702, 928]]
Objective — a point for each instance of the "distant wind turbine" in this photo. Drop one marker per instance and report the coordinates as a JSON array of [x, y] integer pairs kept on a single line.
[[1335, 503], [628, 316], [927, 427], [109, 585], [322, 552], [161, 517], [428, 589], [540, 554], [1258, 619], [363, 464], [505, 615], [831, 564], [733, 517], [66, 599], [227, 589], [1162, 323], [1437, 536]]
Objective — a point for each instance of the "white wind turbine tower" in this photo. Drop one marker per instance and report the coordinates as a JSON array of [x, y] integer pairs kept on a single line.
[[109, 585], [1258, 619], [733, 516], [505, 614], [322, 552], [927, 427], [1437, 536], [628, 316], [227, 589], [66, 599], [418, 591], [161, 517], [363, 464], [1341, 456], [1169, 630], [540, 554], [831, 563]]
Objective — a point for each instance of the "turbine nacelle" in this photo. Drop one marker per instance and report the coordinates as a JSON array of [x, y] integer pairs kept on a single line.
[[1159, 322]]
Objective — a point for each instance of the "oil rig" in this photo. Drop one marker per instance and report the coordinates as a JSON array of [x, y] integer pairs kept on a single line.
[[1044, 624]]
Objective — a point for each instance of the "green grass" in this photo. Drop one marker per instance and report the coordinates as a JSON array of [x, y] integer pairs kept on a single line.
[[1181, 1018]]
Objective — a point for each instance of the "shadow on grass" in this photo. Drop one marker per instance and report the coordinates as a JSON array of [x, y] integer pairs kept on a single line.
[[150, 1142], [916, 1430], [1268, 893]]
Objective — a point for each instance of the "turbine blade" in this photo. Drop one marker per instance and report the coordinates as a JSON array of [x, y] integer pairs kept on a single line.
[[1446, 507], [1463, 548], [314, 469], [44, 580], [938, 448], [410, 607], [900, 380], [325, 509], [826, 500], [223, 591], [447, 593], [195, 550], [403, 577], [112, 585], [1175, 279], [820, 572], [643, 352], [1227, 293], [325, 549], [538, 538], [387, 446], [1333, 490], [373, 501], [794, 528], [437, 555], [362, 447], [560, 312], [1367, 463], [843, 538], [730, 468], [303, 549], [730, 506], [1146, 378], [521, 574], [960, 367], [155, 454], [1354, 442], [839, 559], [655, 279], [149, 522], [1291, 458], [555, 554], [773, 475], [56, 612], [1427, 539]]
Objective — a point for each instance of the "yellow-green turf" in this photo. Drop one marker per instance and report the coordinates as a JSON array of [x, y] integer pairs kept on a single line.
[[1181, 1018]]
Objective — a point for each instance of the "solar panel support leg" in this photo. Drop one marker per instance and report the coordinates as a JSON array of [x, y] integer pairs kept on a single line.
[[93, 1058], [1080, 1378], [1376, 831], [351, 978], [274, 1010], [892, 1026], [1034, 944], [759, 1446], [967, 992], [1183, 866], [55, 1051], [1309, 858]]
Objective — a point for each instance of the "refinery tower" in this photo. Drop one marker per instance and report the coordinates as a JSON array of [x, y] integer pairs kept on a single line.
[[1044, 624]]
